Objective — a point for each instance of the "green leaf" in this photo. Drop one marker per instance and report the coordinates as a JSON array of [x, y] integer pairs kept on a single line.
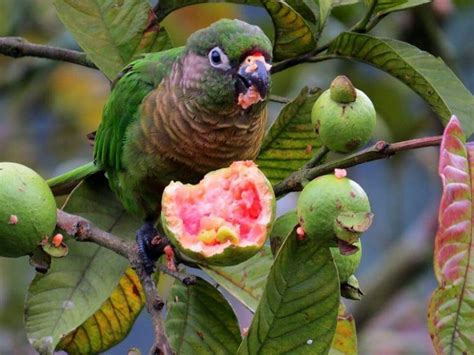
[[325, 8], [112, 322], [384, 7], [298, 310], [345, 339], [428, 76], [451, 310], [165, 7], [293, 35], [291, 140], [113, 32], [246, 280], [77, 285], [200, 321], [344, 2]]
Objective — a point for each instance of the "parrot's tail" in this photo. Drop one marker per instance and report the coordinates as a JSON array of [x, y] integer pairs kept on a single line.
[[65, 183]]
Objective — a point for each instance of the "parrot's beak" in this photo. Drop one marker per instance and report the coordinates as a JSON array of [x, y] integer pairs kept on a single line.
[[253, 80]]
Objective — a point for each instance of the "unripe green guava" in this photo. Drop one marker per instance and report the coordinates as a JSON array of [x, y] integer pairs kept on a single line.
[[27, 210], [324, 200], [343, 125], [346, 264]]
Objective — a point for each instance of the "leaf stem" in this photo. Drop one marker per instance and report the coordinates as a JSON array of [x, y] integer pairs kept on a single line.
[[17, 47], [379, 150]]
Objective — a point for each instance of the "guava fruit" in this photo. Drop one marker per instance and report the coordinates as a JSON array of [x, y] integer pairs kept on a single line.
[[343, 117], [346, 264], [223, 220], [334, 210], [27, 210]]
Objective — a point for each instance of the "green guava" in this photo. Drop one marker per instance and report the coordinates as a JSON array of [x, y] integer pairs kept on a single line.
[[335, 210], [223, 220], [343, 117], [27, 210], [346, 264]]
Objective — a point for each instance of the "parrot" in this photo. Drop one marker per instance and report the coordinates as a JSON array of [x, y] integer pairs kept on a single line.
[[175, 115]]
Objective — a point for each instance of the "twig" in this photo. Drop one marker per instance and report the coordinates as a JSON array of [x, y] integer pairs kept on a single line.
[[184, 278], [154, 305], [279, 99], [379, 150], [83, 230], [323, 151], [363, 26], [17, 47]]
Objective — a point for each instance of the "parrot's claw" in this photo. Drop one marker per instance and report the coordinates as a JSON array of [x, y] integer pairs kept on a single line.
[[151, 245]]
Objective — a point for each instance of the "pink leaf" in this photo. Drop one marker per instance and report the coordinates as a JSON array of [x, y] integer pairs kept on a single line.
[[451, 311]]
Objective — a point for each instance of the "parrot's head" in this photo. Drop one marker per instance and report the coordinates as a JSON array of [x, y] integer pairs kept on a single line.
[[226, 67]]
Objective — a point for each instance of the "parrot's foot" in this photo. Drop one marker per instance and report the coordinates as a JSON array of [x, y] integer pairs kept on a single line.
[[151, 245]]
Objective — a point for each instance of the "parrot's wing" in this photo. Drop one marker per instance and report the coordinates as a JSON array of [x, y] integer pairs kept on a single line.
[[136, 81]]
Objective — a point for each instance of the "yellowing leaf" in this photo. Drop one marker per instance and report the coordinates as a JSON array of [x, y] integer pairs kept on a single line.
[[112, 322], [345, 339], [293, 35]]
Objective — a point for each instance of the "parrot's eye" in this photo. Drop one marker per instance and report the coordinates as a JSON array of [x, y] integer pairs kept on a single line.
[[215, 57], [218, 59]]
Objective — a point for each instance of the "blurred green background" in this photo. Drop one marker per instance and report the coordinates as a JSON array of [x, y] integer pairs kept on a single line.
[[47, 108]]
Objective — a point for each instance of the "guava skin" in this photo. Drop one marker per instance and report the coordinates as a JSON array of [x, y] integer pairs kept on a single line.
[[27, 210], [343, 127], [323, 199], [346, 264]]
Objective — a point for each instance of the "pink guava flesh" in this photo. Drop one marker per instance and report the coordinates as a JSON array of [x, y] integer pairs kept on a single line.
[[231, 206]]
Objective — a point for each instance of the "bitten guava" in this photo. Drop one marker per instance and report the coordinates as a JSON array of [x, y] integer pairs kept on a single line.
[[223, 220], [346, 264], [343, 116], [335, 210], [27, 210]]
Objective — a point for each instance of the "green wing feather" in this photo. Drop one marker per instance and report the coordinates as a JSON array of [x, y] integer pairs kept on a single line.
[[137, 80]]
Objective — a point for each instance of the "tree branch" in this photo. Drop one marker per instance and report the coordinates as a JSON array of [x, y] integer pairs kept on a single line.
[[379, 150], [17, 47], [83, 230]]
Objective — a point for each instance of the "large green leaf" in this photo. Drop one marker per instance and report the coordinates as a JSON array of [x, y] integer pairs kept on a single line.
[[291, 140], [246, 280], [200, 321], [451, 311], [428, 76], [76, 286], [165, 7], [293, 35], [113, 32], [384, 7], [298, 310]]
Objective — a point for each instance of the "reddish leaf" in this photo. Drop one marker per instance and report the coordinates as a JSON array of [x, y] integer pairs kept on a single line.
[[451, 311]]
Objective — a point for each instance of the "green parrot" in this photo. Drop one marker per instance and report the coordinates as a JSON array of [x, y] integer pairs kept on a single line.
[[180, 113]]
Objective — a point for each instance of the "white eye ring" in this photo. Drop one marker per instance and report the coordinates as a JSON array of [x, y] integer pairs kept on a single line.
[[218, 59]]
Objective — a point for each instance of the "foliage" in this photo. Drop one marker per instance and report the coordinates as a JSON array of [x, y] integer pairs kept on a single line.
[[88, 301], [451, 316]]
